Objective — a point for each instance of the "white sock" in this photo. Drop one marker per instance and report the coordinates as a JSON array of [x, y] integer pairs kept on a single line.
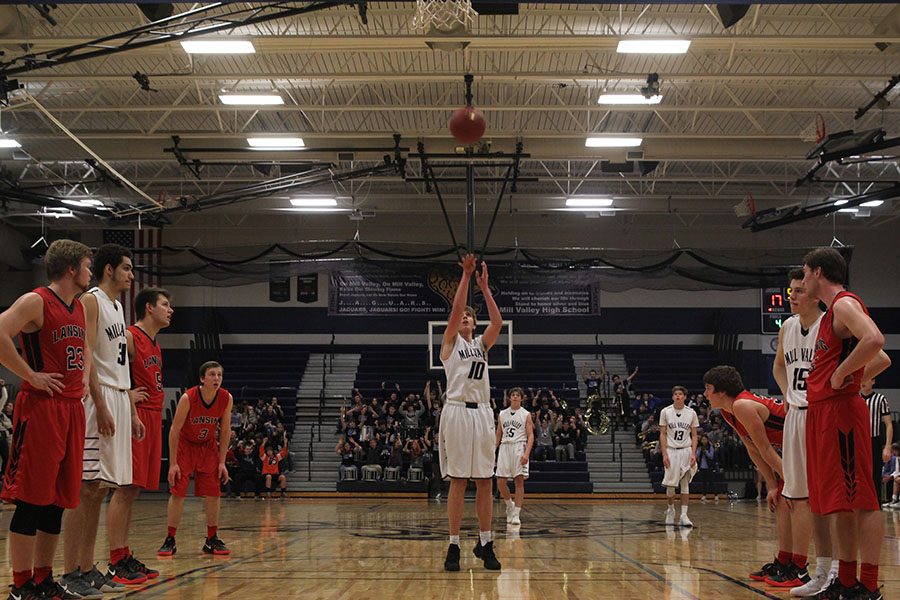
[[823, 564], [671, 508], [834, 565], [485, 536], [518, 510], [454, 539], [684, 510]]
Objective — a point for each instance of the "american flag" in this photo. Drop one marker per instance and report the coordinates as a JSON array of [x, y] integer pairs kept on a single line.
[[145, 244]]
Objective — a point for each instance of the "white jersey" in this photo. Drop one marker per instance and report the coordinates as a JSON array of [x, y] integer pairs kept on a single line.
[[798, 345], [678, 425], [467, 372], [513, 425], [110, 350]]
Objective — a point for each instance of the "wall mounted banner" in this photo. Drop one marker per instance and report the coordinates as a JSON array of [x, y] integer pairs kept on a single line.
[[383, 288]]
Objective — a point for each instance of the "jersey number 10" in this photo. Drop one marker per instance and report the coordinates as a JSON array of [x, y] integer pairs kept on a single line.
[[477, 370]]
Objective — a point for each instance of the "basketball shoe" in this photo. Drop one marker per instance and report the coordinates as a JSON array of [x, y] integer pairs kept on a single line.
[[836, 591], [860, 592], [791, 576], [486, 553], [168, 548], [26, 592], [51, 589], [684, 521], [510, 510], [515, 520], [122, 572], [101, 582], [75, 583], [139, 567], [670, 515], [451, 563], [768, 570], [815, 585], [215, 546]]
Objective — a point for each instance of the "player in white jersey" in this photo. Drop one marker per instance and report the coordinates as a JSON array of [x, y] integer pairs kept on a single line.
[[467, 422], [678, 446], [515, 437], [110, 421], [793, 360]]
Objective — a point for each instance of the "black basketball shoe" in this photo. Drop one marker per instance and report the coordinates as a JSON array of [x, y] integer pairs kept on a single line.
[[860, 592], [168, 548], [139, 567], [771, 569], [51, 589], [486, 554], [26, 592], [215, 546], [835, 591], [451, 563]]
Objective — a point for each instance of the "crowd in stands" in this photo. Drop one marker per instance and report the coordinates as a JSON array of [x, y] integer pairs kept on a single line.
[[393, 435], [258, 456]]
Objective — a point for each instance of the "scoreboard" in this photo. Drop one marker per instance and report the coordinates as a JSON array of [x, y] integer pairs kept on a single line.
[[775, 308]]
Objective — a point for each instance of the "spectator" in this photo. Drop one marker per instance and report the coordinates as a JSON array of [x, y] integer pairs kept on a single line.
[[593, 381], [565, 443], [891, 474], [247, 473], [373, 459], [412, 413], [544, 435], [348, 464], [271, 471], [6, 413], [706, 462]]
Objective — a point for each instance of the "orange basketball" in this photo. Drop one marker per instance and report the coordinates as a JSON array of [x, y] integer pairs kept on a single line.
[[467, 125]]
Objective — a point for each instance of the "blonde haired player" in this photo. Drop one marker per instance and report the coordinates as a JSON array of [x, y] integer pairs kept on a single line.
[[515, 438], [467, 421], [678, 445]]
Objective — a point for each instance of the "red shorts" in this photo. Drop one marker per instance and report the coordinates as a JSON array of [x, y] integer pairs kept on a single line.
[[201, 460], [45, 456], [839, 456], [146, 454]]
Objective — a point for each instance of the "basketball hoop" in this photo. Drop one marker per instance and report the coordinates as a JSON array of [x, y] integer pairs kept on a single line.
[[816, 132], [746, 207], [447, 17]]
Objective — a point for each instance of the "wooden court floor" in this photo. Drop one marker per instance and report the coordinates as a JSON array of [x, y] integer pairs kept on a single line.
[[384, 549]]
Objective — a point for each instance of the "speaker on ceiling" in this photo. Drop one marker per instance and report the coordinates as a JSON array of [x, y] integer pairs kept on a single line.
[[730, 14], [155, 12]]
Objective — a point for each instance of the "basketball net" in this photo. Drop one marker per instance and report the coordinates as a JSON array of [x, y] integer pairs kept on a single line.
[[746, 207], [446, 17], [816, 132]]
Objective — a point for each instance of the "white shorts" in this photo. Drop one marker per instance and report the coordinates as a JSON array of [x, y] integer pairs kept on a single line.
[[509, 461], [467, 439], [793, 457], [108, 458], [679, 466]]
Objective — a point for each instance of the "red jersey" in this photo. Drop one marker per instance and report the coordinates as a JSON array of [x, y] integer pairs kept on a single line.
[[202, 423], [146, 368], [830, 352], [58, 347], [774, 424]]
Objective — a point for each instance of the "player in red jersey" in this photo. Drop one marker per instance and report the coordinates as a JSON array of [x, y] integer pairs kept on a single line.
[[759, 421], [44, 472], [849, 349], [194, 449], [153, 308]]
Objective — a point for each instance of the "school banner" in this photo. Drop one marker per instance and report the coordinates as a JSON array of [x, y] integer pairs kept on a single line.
[[381, 288]]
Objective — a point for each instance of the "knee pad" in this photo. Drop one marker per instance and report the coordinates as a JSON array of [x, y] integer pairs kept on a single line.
[[25, 519], [50, 519], [670, 492]]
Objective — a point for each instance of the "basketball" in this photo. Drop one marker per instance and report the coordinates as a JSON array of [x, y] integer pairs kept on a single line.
[[467, 125]]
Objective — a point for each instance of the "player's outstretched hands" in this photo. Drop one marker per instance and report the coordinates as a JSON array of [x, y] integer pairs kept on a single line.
[[138, 395], [174, 475], [48, 382], [137, 428], [223, 473], [468, 264], [482, 278]]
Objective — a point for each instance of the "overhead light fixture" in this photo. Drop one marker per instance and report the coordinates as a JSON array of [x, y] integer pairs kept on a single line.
[[312, 202], [612, 142], [848, 210], [218, 46], [588, 202], [872, 203], [83, 202], [9, 143], [628, 99], [56, 212], [314, 209], [276, 143], [840, 202], [653, 46], [251, 99]]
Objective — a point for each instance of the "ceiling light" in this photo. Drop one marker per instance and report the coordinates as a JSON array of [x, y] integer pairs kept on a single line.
[[840, 202], [588, 202], [218, 46], [628, 99], [848, 210], [612, 142], [653, 46], [75, 203], [251, 99], [276, 143], [308, 202], [9, 143], [83, 202], [872, 203], [314, 209]]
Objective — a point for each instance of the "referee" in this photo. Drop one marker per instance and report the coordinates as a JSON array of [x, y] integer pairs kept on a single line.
[[882, 432]]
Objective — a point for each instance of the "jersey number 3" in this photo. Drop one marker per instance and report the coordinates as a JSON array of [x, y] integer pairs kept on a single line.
[[477, 370]]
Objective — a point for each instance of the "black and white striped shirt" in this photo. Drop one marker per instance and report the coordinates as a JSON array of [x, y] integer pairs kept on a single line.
[[878, 408]]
